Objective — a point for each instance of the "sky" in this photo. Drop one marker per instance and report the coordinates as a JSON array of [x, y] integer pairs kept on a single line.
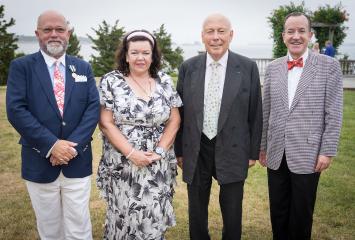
[[182, 18]]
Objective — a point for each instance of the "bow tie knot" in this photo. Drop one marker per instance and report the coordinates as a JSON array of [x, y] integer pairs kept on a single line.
[[295, 63]]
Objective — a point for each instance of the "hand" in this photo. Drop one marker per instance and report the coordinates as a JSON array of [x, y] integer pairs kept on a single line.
[[179, 161], [323, 163], [142, 159], [262, 158], [155, 157], [251, 163], [56, 161], [64, 150]]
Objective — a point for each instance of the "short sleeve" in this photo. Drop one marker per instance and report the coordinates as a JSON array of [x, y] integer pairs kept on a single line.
[[170, 93], [105, 91]]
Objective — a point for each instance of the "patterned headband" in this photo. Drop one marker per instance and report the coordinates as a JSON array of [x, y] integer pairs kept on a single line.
[[142, 34]]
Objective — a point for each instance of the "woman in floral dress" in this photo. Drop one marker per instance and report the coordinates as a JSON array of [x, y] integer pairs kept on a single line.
[[139, 120]]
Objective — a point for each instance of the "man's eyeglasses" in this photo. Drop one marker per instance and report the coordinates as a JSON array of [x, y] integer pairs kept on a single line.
[[50, 30]]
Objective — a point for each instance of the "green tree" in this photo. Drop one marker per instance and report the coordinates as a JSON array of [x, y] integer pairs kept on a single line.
[[8, 46], [335, 16], [276, 20], [74, 46], [171, 58], [105, 43]]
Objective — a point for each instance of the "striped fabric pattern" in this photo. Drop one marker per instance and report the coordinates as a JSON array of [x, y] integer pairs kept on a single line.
[[312, 125]]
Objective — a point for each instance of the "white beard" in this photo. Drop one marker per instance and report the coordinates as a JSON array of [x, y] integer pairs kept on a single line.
[[55, 49]]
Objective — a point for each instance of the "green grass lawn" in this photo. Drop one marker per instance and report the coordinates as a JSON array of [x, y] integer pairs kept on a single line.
[[334, 216]]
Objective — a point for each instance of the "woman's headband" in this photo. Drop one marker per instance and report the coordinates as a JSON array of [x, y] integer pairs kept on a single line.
[[142, 34]]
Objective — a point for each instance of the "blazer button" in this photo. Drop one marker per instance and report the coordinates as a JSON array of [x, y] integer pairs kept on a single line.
[[63, 123]]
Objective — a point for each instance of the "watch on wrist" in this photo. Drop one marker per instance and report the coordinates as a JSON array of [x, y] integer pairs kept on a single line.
[[160, 151]]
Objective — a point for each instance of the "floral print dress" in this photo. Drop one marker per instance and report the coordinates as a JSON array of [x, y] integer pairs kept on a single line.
[[139, 200]]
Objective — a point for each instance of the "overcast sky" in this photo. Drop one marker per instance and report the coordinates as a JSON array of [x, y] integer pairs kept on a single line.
[[182, 18]]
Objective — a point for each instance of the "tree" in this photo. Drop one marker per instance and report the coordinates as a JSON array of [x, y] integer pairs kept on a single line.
[[171, 58], [106, 42], [335, 16], [74, 46], [8, 46], [276, 21]]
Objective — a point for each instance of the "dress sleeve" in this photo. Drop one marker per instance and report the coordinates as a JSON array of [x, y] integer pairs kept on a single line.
[[105, 91], [171, 94]]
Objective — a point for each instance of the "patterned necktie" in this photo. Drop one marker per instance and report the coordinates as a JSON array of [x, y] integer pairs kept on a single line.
[[59, 87], [212, 103], [295, 63]]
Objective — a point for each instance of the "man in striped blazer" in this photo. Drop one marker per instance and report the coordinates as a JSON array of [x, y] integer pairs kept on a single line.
[[302, 115]]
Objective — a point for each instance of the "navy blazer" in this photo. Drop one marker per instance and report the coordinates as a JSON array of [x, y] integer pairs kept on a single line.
[[33, 112]]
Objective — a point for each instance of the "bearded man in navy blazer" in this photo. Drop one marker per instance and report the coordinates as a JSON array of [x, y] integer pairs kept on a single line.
[[221, 129], [53, 102], [302, 116]]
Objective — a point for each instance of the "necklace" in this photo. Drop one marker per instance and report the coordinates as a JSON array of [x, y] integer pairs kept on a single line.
[[148, 94]]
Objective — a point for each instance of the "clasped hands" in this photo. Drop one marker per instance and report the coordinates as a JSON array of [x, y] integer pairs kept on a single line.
[[142, 158], [63, 151]]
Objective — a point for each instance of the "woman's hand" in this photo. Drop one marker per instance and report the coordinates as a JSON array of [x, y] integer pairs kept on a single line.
[[142, 159]]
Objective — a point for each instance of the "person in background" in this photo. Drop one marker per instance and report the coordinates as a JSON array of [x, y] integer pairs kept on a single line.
[[53, 103], [315, 47], [302, 116], [139, 120], [329, 49], [221, 129]]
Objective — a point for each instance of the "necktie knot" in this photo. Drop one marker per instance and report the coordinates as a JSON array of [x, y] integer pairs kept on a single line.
[[214, 65], [295, 63]]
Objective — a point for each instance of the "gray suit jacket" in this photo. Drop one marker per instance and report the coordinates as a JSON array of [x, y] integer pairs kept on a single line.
[[239, 123], [311, 127]]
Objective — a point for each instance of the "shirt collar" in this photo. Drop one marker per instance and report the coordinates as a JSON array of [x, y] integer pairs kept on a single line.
[[304, 56], [51, 60], [222, 61]]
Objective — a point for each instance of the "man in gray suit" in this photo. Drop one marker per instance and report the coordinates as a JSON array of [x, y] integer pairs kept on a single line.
[[302, 115], [221, 129]]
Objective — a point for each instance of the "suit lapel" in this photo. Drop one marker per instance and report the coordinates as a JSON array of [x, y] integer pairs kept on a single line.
[[231, 88], [307, 76], [44, 78], [69, 82], [198, 89], [283, 73]]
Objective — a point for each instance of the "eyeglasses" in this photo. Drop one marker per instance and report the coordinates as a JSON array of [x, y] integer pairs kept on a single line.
[[50, 30]]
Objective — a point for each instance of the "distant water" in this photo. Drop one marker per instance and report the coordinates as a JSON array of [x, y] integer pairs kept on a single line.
[[251, 51]]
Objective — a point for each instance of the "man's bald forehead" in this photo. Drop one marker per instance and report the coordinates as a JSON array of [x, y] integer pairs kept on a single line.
[[50, 13], [217, 17]]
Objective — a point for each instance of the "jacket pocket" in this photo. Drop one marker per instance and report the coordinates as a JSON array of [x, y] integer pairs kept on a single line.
[[314, 138]]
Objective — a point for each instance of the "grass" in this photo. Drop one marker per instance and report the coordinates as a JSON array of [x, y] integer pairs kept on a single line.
[[334, 216]]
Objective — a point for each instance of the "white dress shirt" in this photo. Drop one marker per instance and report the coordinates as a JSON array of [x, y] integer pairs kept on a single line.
[[294, 76], [50, 61]]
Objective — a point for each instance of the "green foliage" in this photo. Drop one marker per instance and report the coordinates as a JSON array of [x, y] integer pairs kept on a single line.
[[330, 15], [276, 20], [74, 46], [105, 43], [171, 58], [7, 46]]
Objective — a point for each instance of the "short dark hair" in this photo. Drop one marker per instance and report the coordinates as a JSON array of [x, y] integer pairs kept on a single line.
[[121, 63], [297, 14]]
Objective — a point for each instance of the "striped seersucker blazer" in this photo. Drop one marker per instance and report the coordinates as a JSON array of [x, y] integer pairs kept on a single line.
[[311, 126]]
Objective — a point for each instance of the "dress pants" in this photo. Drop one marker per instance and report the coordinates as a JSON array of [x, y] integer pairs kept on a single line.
[[292, 199], [230, 197], [62, 208]]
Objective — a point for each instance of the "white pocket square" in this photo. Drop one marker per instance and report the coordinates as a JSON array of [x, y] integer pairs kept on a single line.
[[79, 78]]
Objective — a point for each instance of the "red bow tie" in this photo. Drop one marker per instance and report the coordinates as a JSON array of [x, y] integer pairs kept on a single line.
[[295, 63]]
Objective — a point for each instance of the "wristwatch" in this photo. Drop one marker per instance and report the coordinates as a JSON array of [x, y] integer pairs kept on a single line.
[[160, 151]]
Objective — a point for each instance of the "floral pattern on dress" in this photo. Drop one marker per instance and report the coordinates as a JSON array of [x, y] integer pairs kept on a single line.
[[139, 200]]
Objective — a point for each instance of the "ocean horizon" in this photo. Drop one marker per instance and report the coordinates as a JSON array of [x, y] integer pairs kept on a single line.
[[263, 50]]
